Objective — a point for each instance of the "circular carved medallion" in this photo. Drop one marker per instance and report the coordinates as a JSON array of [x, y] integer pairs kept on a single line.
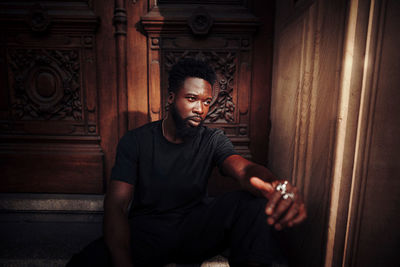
[[45, 84], [44, 88], [200, 22]]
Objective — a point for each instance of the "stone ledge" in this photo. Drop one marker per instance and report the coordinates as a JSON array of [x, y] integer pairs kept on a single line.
[[217, 261], [51, 202], [32, 263]]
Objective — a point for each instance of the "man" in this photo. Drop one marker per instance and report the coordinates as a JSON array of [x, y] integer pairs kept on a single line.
[[163, 169]]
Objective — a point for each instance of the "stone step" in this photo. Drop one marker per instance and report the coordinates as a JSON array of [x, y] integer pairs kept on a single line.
[[47, 229], [40, 239], [32, 263]]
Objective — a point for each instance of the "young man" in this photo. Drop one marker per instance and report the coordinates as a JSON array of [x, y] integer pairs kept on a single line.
[[163, 168]]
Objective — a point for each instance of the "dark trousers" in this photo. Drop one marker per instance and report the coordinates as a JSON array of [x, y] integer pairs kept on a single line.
[[235, 220]]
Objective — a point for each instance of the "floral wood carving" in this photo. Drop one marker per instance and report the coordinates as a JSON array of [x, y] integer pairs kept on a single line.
[[45, 84], [224, 63]]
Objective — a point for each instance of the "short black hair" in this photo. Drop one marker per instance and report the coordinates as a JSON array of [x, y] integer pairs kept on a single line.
[[189, 67]]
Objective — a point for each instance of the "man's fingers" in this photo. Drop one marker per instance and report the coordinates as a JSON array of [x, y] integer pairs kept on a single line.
[[282, 207], [272, 203], [264, 187], [288, 217], [277, 199], [302, 215]]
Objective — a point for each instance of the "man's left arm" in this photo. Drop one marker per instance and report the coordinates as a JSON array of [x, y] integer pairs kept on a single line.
[[285, 207]]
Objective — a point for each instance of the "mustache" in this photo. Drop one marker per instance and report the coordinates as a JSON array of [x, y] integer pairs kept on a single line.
[[193, 117]]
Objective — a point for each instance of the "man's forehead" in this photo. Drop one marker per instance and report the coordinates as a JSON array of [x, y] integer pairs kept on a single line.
[[194, 85]]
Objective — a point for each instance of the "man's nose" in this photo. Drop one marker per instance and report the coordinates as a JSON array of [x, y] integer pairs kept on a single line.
[[198, 108]]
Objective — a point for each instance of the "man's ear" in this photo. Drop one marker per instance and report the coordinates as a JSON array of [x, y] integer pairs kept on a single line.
[[171, 97]]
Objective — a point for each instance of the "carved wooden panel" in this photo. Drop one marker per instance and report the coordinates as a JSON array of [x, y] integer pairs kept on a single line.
[[308, 40], [51, 84], [45, 84], [52, 113]]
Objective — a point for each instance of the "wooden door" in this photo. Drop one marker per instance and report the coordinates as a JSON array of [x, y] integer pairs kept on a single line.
[[50, 138], [79, 74]]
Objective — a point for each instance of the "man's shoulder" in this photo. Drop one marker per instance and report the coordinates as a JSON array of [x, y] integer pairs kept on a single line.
[[143, 131], [146, 128], [212, 133]]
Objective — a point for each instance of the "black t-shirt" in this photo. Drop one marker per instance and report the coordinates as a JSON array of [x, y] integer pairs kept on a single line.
[[168, 176]]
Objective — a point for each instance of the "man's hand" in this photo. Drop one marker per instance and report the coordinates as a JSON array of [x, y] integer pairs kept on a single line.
[[283, 211], [285, 207]]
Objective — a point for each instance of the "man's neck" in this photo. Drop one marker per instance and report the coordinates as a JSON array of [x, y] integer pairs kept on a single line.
[[169, 130]]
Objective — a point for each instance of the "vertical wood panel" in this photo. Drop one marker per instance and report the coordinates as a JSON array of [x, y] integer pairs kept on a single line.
[[284, 100], [346, 134], [106, 79], [137, 70], [155, 91], [308, 37], [261, 81], [372, 235]]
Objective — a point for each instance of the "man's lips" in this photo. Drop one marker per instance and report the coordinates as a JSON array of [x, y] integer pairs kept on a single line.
[[196, 119]]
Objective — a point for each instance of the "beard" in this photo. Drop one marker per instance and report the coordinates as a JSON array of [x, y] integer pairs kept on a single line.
[[183, 129]]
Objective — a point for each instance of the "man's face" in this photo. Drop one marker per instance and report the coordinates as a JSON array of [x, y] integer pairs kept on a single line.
[[190, 105]]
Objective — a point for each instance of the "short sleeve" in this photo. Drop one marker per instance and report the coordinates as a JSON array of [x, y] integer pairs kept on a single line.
[[126, 161], [224, 148]]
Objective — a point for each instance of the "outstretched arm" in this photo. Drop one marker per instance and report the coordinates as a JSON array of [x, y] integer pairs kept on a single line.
[[116, 226], [285, 207]]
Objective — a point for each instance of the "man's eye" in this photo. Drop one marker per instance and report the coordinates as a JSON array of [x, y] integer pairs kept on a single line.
[[208, 102], [191, 98]]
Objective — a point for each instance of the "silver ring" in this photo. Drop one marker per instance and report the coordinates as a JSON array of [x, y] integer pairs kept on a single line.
[[288, 195], [282, 187]]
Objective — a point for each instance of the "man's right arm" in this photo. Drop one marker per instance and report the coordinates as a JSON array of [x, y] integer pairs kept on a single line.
[[116, 225]]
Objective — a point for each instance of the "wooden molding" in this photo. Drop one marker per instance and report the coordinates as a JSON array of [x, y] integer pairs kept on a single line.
[[175, 19], [356, 104], [307, 94], [120, 21], [371, 72]]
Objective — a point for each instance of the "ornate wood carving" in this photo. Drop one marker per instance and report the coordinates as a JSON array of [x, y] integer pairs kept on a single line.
[[51, 82], [45, 84]]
